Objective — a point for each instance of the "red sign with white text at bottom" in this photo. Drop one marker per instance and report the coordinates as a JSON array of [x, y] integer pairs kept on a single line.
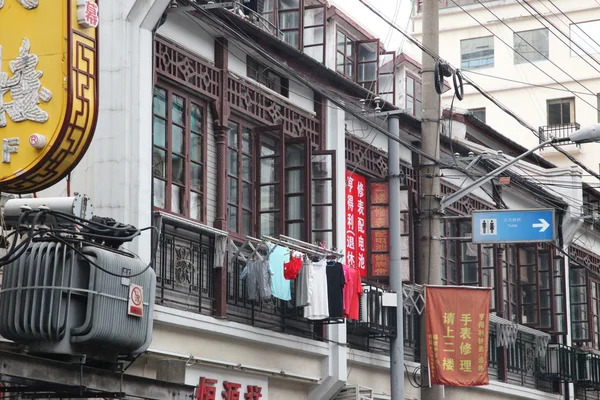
[[356, 221], [135, 306]]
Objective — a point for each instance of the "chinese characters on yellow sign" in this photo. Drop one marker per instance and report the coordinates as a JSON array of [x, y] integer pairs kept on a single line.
[[457, 325], [48, 89]]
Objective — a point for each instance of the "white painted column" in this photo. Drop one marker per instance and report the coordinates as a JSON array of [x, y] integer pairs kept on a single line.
[[335, 371]]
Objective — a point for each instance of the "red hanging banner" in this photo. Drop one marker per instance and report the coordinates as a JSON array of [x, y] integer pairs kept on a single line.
[[457, 325], [356, 221]]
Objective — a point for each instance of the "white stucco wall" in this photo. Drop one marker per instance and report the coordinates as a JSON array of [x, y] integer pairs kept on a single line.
[[527, 101]]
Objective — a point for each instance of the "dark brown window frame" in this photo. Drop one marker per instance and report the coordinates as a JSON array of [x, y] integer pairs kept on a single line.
[[416, 81], [348, 73], [189, 99]]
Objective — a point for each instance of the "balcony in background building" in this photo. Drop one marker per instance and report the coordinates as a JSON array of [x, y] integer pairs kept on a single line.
[[558, 131]]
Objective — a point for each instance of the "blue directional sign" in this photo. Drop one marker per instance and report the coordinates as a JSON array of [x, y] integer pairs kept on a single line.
[[513, 226]]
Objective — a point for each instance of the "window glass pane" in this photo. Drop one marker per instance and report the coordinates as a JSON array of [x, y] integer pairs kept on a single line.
[[177, 194], [410, 86], [232, 137], [267, 170], [247, 140], [350, 69], [159, 166], [178, 142], [178, 166], [268, 197], [196, 118], [247, 168], [531, 46], [322, 217], [159, 197], [159, 103], [410, 105], [232, 218], [295, 207], [340, 63], [233, 162], [294, 181], [197, 177], [268, 224], [349, 48], [313, 36], [315, 16], [289, 20], [159, 132], [315, 52], [367, 72], [323, 237], [554, 114], [566, 113], [295, 230], [287, 4], [178, 110], [341, 40], [418, 109], [367, 52], [291, 38], [584, 38], [195, 205], [247, 195], [477, 52], [469, 273], [196, 148], [232, 192], [294, 155], [246, 222], [419, 90]]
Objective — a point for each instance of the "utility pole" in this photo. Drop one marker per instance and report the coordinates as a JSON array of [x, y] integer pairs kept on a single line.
[[429, 245], [397, 343]]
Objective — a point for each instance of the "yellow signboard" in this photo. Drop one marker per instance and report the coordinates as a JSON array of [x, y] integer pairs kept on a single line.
[[48, 89]]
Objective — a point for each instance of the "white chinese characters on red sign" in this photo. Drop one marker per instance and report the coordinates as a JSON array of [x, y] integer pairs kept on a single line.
[[356, 221], [87, 13]]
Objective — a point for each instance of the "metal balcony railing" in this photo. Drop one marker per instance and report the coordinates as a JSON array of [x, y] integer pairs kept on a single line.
[[184, 269], [557, 131]]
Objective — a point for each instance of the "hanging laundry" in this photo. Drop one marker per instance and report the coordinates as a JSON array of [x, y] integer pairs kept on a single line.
[[305, 284], [291, 269], [352, 292], [258, 280], [335, 289], [318, 307], [280, 287]]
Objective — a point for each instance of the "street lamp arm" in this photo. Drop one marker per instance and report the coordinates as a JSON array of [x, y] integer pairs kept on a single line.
[[465, 191]]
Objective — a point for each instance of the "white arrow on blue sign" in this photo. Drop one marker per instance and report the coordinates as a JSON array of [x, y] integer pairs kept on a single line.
[[513, 226]]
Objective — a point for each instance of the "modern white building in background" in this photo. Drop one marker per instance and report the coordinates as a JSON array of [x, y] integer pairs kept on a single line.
[[187, 108], [540, 58]]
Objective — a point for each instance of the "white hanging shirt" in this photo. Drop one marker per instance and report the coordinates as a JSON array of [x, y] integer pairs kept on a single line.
[[319, 303]]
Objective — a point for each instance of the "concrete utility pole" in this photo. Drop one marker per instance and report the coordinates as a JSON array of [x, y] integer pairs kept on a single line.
[[430, 246], [397, 343]]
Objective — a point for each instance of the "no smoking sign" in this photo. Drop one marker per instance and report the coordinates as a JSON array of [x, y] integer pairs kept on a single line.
[[136, 299]]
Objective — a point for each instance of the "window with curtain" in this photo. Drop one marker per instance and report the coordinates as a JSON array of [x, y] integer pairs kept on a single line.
[[414, 105], [531, 46], [477, 53], [178, 153]]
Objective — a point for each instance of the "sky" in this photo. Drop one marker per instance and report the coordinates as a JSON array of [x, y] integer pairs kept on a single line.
[[391, 39]]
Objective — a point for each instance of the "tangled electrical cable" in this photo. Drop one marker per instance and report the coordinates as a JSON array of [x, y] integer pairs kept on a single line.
[[74, 233], [442, 70]]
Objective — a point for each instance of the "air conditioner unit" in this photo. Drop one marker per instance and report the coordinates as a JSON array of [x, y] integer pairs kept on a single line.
[[588, 370]]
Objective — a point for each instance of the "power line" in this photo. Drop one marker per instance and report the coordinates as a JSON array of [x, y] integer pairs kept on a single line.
[[555, 27], [573, 22], [526, 83], [529, 44]]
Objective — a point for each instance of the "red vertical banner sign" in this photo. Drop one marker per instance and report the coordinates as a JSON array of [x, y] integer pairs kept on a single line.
[[356, 221], [457, 326], [380, 232]]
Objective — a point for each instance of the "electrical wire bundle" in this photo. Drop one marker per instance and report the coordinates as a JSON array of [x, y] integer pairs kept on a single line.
[[74, 233]]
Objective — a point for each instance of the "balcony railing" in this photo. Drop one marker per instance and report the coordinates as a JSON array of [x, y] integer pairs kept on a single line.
[[184, 269], [557, 131]]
